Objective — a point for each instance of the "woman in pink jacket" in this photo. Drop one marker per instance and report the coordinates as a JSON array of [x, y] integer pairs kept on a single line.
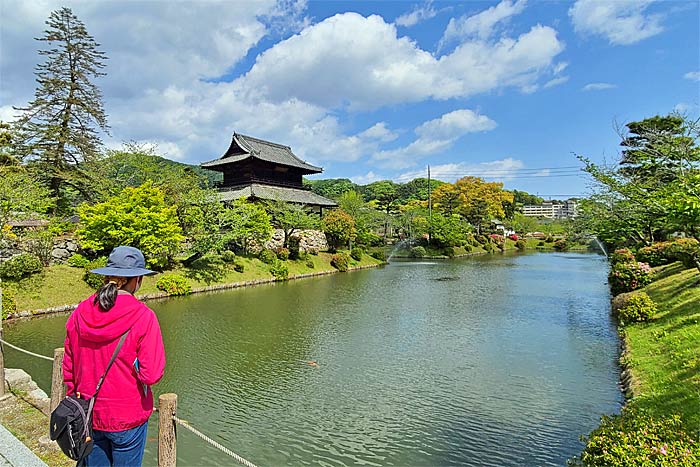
[[125, 400]]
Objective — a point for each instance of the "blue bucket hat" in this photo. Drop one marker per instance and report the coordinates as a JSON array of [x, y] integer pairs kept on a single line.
[[124, 261]]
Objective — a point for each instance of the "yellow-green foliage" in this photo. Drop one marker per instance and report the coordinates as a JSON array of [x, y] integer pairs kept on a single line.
[[638, 307], [174, 284], [138, 217], [8, 303]]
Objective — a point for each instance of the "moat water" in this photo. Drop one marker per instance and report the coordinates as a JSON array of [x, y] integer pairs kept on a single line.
[[497, 360]]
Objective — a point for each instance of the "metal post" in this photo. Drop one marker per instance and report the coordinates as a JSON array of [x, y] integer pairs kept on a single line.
[[167, 409], [58, 389]]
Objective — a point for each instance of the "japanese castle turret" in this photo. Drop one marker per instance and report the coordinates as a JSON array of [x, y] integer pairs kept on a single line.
[[257, 169]]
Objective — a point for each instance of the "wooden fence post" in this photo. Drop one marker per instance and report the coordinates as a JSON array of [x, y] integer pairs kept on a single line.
[[2, 353], [167, 409], [58, 389]]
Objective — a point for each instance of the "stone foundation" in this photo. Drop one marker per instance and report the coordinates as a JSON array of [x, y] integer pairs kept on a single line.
[[310, 240]]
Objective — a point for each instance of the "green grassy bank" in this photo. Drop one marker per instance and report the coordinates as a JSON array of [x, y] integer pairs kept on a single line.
[[663, 354], [60, 285]]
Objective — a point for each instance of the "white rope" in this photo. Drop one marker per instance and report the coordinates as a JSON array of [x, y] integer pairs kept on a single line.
[[214, 443], [27, 351]]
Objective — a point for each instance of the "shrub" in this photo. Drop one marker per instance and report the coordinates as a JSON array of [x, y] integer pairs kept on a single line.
[[368, 238], [174, 284], [549, 239], [8, 303], [496, 238], [626, 277], [635, 438], [449, 252], [686, 250], [622, 255], [282, 254], [294, 247], [513, 237], [654, 255], [20, 266], [379, 255], [95, 281], [312, 251], [228, 256], [339, 228], [356, 254], [489, 247], [468, 248], [78, 261], [561, 245], [416, 252], [481, 240], [521, 244], [638, 307], [279, 270], [540, 243], [238, 267], [267, 256], [310, 264], [340, 261]]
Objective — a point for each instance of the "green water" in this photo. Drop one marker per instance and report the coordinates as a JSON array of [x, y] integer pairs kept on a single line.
[[485, 361]]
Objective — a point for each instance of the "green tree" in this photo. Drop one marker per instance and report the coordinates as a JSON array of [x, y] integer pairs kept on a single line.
[[59, 128], [290, 217], [21, 196], [366, 218], [137, 217], [7, 156], [524, 224], [339, 228], [244, 222], [331, 188], [385, 196], [417, 189]]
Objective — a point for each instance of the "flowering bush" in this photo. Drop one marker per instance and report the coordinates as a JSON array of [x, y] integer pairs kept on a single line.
[[174, 284], [496, 238], [629, 276], [654, 255], [513, 237], [637, 307], [622, 255], [634, 438], [340, 261]]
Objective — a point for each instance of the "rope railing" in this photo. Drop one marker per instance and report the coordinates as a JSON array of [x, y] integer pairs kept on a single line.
[[26, 351], [219, 446], [167, 408]]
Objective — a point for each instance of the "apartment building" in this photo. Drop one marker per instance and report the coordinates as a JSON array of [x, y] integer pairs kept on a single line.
[[566, 210]]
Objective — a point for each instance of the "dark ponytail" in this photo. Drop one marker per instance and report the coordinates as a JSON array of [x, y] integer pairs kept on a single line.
[[106, 296]]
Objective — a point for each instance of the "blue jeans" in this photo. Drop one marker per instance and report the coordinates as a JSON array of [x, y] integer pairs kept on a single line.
[[118, 448]]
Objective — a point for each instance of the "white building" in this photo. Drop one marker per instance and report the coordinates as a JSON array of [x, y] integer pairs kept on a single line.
[[567, 210]]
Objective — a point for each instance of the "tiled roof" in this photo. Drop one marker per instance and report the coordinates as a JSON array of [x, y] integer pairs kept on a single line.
[[243, 147], [279, 193]]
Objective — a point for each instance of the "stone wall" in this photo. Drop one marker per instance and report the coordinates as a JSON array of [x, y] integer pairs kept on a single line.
[[63, 248], [310, 240]]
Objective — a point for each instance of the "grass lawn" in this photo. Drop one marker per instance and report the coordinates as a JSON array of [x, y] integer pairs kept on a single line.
[[63, 285], [664, 354]]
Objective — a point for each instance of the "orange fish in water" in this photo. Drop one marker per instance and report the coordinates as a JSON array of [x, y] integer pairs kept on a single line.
[[313, 363]]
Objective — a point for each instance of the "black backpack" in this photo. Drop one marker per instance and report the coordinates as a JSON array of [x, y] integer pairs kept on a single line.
[[71, 420]]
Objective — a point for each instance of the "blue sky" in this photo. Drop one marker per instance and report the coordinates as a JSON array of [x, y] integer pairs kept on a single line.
[[507, 90]]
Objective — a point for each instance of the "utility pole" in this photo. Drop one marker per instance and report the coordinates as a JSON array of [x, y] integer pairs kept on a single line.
[[430, 209]]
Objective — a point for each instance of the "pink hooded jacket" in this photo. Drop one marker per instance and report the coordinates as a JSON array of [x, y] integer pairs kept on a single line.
[[91, 337]]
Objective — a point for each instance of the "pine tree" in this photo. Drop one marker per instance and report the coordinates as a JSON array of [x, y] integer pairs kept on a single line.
[[58, 130]]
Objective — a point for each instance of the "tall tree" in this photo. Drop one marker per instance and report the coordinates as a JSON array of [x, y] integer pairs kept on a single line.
[[290, 217], [59, 128]]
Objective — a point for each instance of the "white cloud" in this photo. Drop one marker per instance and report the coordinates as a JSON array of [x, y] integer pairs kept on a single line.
[[556, 81], [622, 22], [349, 60], [435, 136], [418, 15], [692, 75], [598, 86], [498, 170], [481, 25], [7, 113], [365, 179]]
